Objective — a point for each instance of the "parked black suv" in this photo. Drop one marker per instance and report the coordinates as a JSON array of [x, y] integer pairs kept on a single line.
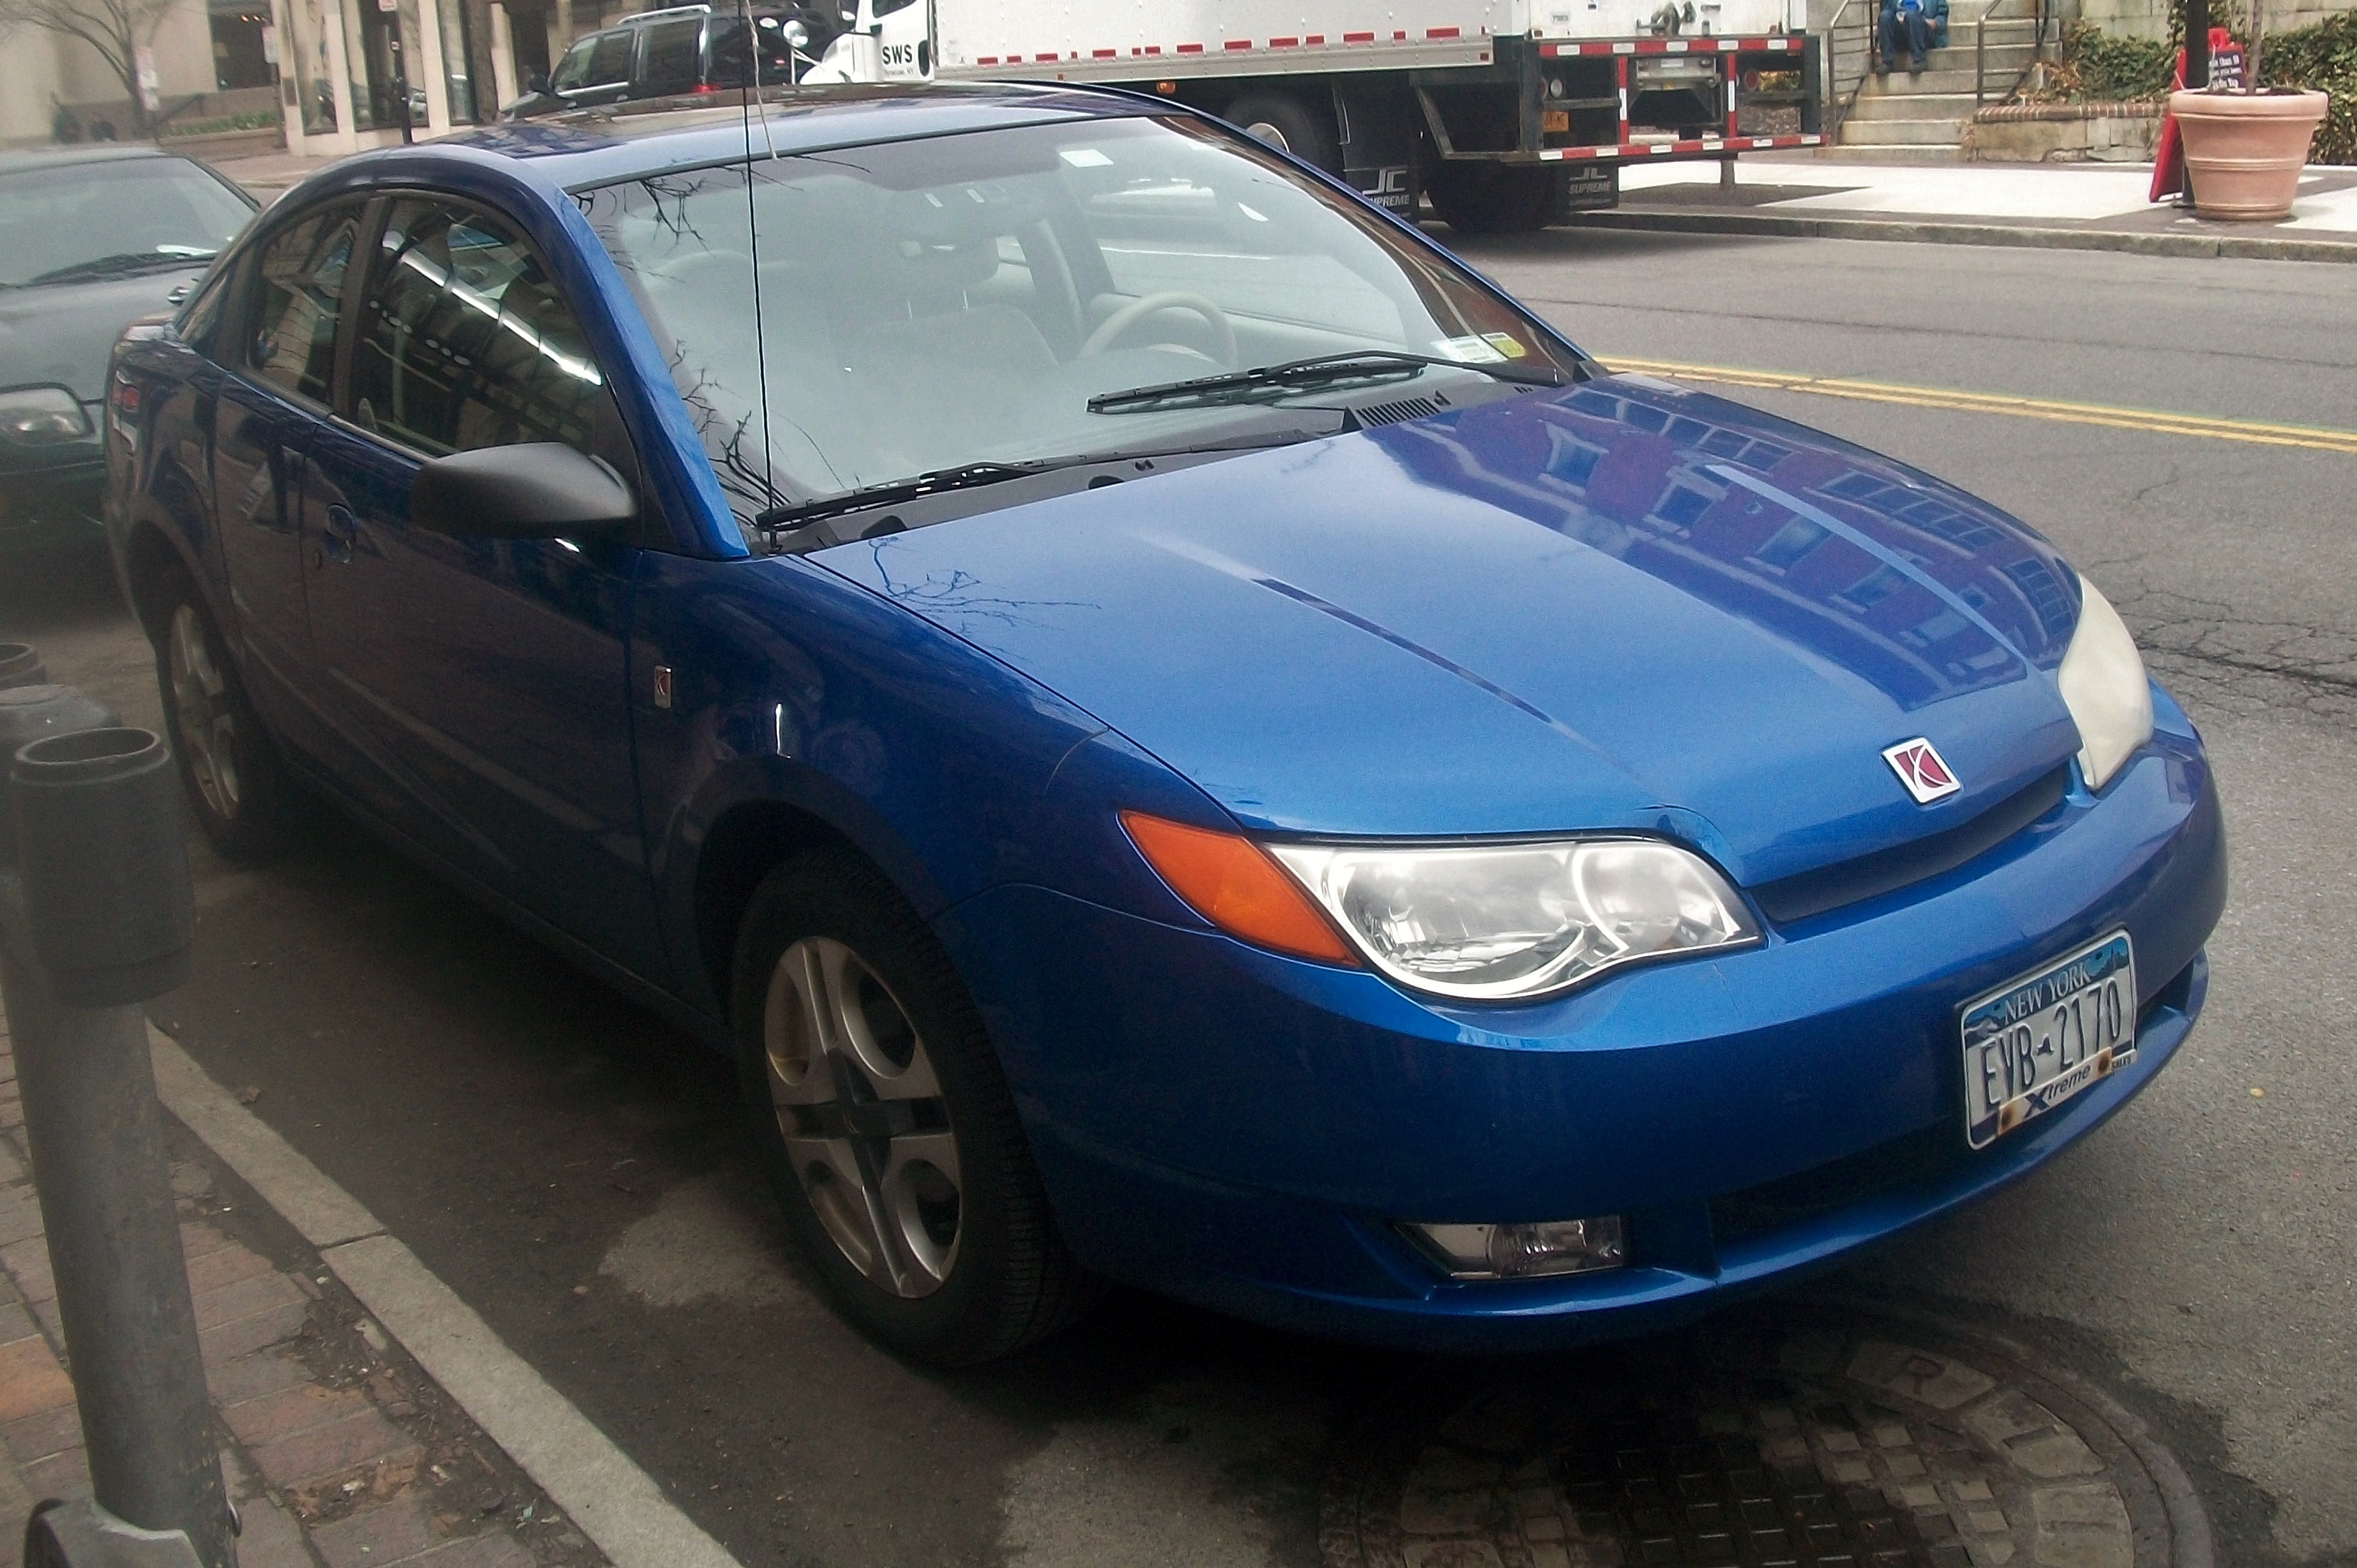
[[682, 48]]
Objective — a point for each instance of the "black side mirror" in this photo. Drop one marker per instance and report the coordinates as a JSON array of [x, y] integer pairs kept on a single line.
[[539, 490], [536, 82]]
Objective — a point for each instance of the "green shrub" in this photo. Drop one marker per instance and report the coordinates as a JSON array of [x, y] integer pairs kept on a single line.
[[2321, 58], [253, 120], [2108, 69]]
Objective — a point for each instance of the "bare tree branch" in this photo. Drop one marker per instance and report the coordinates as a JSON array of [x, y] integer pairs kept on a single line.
[[115, 28]]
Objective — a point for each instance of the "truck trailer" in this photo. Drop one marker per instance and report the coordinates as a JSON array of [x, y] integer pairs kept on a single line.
[[1505, 114]]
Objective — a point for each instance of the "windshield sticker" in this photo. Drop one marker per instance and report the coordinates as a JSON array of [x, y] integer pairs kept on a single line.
[[1506, 343], [1468, 351], [1086, 157]]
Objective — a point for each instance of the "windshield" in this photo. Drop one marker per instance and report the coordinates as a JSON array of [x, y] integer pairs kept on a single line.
[[104, 218], [931, 304]]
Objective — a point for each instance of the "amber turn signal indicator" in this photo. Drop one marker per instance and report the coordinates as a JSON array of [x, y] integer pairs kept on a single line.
[[1233, 883]]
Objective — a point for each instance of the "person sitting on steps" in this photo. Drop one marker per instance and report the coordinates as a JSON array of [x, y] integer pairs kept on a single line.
[[1923, 24]]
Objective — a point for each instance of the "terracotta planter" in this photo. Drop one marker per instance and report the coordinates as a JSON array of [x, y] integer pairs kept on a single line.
[[2243, 150]]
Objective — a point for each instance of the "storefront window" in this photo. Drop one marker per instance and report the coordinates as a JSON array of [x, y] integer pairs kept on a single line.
[[238, 57], [305, 59], [369, 35], [455, 56]]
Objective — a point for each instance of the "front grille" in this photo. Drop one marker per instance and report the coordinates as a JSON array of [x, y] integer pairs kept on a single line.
[[1922, 1156], [1854, 881]]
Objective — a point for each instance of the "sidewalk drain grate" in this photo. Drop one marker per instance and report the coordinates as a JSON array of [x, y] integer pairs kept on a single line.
[[1786, 1438]]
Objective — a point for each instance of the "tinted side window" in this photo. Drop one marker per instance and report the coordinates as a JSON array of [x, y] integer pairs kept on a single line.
[[299, 285], [466, 342], [573, 70], [609, 62], [728, 54], [202, 314], [670, 59]]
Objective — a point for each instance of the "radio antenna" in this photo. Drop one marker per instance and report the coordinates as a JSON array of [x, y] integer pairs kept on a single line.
[[753, 241]]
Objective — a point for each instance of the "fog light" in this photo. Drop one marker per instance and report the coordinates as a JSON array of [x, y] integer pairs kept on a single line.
[[1523, 1251]]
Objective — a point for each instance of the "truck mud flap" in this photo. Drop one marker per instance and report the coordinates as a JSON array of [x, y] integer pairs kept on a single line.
[[1591, 186]]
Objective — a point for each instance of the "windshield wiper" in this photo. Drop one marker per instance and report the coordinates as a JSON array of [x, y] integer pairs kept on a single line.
[[933, 481], [123, 264], [784, 520], [1359, 365]]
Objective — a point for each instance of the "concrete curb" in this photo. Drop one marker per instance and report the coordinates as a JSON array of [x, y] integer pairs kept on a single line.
[[614, 1502], [1785, 226]]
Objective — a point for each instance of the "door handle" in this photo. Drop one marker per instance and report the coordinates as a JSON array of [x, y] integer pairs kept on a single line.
[[337, 532]]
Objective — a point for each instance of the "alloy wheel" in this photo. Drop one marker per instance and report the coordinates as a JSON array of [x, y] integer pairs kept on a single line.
[[207, 723], [863, 1117]]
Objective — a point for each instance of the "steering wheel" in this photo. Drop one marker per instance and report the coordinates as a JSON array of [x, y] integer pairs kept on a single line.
[[1224, 331]]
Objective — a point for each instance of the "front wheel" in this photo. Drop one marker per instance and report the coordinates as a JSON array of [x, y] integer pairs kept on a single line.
[[243, 799], [887, 1128]]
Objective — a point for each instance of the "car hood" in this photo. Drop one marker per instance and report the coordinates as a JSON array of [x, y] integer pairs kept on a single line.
[[59, 333], [1625, 606]]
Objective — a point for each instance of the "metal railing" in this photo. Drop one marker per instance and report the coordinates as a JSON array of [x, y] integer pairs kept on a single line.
[[1980, 52], [1842, 96]]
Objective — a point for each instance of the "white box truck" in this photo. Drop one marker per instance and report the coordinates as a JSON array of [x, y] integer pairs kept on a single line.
[[1505, 113]]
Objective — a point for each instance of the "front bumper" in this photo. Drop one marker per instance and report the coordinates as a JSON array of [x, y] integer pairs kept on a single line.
[[52, 505], [1239, 1129]]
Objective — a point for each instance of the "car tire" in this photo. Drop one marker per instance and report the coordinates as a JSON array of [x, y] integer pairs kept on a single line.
[[243, 797], [886, 1123], [1286, 123], [1494, 198]]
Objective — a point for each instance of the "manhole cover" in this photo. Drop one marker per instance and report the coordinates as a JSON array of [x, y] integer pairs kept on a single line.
[[1781, 1439]]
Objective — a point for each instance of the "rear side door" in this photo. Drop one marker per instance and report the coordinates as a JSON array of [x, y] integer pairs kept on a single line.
[[671, 57], [478, 685], [278, 352]]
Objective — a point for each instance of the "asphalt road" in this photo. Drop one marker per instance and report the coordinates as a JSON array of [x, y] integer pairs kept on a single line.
[[570, 1166]]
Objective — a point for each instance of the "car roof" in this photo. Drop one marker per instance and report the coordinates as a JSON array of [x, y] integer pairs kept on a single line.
[[29, 159], [588, 147]]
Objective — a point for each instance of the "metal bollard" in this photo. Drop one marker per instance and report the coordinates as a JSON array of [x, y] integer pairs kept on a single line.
[[97, 918], [20, 666], [28, 714]]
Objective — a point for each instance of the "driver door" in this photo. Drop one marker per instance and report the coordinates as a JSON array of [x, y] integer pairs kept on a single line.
[[479, 686]]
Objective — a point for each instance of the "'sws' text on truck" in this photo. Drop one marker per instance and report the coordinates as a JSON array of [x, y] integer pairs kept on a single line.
[[1506, 114]]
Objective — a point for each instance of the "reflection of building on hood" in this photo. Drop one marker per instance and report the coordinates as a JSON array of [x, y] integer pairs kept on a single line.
[[1897, 579]]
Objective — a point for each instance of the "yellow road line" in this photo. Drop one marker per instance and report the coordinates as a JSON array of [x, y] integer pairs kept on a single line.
[[2152, 420]]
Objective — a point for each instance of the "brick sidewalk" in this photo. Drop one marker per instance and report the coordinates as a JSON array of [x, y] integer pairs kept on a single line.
[[337, 1448]]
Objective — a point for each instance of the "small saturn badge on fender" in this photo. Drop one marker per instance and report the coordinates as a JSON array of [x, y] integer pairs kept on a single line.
[[1921, 767]]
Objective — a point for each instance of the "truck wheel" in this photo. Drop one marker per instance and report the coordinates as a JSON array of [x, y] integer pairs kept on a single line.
[[1494, 198], [886, 1126], [1289, 125]]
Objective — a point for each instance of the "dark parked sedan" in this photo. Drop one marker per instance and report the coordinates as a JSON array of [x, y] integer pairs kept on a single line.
[[90, 239]]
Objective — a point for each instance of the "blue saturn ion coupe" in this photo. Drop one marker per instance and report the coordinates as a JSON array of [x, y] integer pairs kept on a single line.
[[1176, 734]]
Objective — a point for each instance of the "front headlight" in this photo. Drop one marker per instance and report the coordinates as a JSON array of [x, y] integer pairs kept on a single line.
[[2104, 686], [41, 416], [1488, 922]]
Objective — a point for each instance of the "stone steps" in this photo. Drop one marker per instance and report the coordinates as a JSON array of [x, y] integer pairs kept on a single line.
[[1898, 116], [1902, 133], [1884, 106]]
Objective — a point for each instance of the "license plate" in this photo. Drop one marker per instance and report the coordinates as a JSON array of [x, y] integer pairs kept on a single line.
[[2033, 1043]]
